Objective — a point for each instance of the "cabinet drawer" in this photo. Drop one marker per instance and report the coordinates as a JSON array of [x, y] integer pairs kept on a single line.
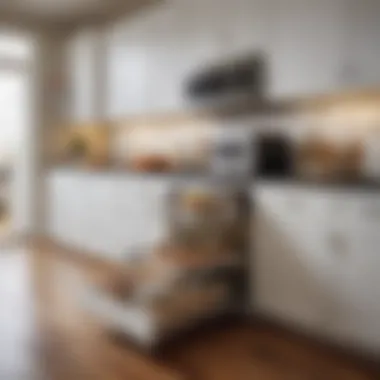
[[303, 209]]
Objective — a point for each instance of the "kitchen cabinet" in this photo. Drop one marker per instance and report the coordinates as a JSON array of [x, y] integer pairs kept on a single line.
[[152, 56], [310, 47], [145, 57], [289, 275], [305, 47], [107, 214], [176, 57], [127, 62], [82, 59], [166, 54], [246, 27], [362, 50], [356, 317], [321, 47], [315, 263]]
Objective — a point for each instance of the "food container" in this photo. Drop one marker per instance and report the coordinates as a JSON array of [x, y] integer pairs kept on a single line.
[[328, 160]]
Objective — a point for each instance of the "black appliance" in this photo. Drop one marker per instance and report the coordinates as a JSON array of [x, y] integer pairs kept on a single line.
[[274, 156]]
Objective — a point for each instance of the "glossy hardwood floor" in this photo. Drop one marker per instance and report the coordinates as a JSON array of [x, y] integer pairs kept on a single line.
[[45, 334]]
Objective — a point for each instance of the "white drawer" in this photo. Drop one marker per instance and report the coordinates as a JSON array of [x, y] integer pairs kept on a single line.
[[302, 208]]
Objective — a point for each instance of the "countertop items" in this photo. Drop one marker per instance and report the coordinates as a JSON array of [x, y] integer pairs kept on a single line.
[[164, 147], [152, 164], [320, 159], [84, 146], [275, 155], [231, 154]]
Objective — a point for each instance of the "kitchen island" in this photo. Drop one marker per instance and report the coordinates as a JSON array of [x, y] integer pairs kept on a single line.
[[114, 212], [108, 213]]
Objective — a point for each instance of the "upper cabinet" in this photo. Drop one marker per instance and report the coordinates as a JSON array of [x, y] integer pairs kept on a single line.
[[306, 47], [246, 27], [166, 49], [127, 60], [145, 56], [362, 51], [82, 60], [322, 46], [152, 56], [310, 47], [182, 39]]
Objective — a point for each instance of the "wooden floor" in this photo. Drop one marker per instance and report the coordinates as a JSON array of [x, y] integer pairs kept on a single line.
[[44, 334]]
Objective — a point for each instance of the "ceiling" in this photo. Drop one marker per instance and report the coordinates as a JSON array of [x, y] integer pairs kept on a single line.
[[65, 11]]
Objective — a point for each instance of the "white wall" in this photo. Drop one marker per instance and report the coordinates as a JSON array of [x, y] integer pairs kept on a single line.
[[49, 105], [21, 161], [16, 60]]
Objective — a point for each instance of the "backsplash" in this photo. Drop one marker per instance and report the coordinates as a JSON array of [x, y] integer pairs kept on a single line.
[[340, 118], [172, 145], [342, 132]]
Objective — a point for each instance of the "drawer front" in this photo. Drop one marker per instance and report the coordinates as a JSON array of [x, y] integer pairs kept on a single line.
[[304, 212]]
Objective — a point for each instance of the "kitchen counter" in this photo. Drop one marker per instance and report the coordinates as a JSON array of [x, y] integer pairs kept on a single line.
[[362, 184], [171, 177], [352, 185], [196, 177]]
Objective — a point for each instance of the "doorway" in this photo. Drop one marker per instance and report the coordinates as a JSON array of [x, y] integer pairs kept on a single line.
[[16, 54]]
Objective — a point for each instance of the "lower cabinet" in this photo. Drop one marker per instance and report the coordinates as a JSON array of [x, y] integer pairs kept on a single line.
[[315, 264], [107, 214]]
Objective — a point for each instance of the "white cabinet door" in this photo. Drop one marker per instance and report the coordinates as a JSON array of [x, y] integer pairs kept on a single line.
[[355, 318], [125, 214], [165, 56], [82, 60], [127, 69], [306, 47], [153, 211], [110, 216], [363, 48], [316, 263], [199, 44], [289, 271], [246, 27], [186, 37]]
